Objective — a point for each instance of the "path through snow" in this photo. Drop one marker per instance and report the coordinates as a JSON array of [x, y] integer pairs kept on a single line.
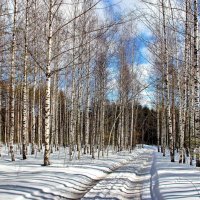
[[144, 174], [131, 181]]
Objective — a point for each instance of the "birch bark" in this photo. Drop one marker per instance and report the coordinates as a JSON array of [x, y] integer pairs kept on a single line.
[[12, 80], [48, 87]]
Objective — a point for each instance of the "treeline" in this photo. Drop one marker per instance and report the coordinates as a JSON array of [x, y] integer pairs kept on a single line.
[[144, 124]]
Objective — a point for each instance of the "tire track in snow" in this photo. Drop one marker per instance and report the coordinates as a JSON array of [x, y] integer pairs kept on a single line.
[[129, 181]]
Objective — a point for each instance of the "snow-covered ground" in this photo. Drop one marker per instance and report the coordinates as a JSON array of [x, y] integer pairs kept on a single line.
[[173, 180], [144, 174]]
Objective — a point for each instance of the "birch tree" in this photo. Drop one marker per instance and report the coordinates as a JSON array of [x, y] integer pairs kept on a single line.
[[48, 85], [12, 82], [196, 81]]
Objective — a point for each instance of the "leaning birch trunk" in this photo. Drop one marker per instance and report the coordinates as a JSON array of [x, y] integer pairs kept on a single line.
[[79, 101], [24, 112], [122, 128], [19, 121], [126, 126], [132, 124], [196, 82], [158, 121], [98, 129], [48, 88], [72, 117], [39, 127], [12, 95], [102, 125], [65, 137], [114, 128], [119, 128], [112, 131], [63, 133], [33, 117], [166, 65], [56, 114], [94, 128], [134, 127], [52, 106], [86, 149], [87, 123], [7, 125], [173, 109], [181, 132], [191, 116], [54, 102], [163, 124]]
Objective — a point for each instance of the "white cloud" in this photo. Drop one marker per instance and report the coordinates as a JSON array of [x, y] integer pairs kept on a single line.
[[146, 12], [139, 9], [144, 72]]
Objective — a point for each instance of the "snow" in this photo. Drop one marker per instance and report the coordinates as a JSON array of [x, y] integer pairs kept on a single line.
[[143, 174], [174, 180]]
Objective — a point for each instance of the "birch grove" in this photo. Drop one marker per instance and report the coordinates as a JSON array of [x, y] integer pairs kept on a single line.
[[176, 66], [71, 79], [57, 80]]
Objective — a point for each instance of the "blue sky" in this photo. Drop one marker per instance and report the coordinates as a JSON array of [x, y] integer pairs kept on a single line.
[[114, 9], [141, 57]]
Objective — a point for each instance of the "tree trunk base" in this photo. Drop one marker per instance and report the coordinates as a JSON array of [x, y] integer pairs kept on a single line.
[[197, 160], [191, 161], [46, 163], [12, 157]]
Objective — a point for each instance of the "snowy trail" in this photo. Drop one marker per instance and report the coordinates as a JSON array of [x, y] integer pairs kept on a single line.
[[29, 180], [131, 181], [143, 174]]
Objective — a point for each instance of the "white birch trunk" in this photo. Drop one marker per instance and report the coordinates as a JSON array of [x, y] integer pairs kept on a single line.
[[158, 120], [33, 116], [132, 125], [24, 112], [87, 116], [196, 82], [48, 88], [166, 65], [12, 88]]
